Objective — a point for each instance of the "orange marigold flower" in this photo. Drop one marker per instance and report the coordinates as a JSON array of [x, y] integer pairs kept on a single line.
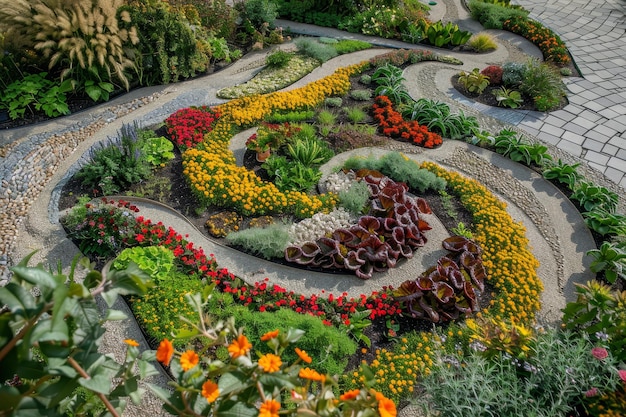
[[165, 351], [386, 407], [210, 391], [350, 395], [303, 355], [269, 408], [131, 342], [270, 362], [188, 360], [269, 335], [239, 347], [308, 373]]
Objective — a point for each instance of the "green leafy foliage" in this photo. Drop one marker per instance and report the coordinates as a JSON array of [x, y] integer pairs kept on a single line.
[[347, 46], [157, 150], [599, 313], [156, 261], [591, 197], [474, 81], [98, 90], [35, 92], [605, 222], [551, 382], [610, 258], [446, 35], [116, 166], [269, 242], [436, 115], [290, 175], [389, 79], [278, 59], [508, 98], [329, 345], [508, 143], [291, 116], [49, 341], [493, 14], [542, 82], [563, 173], [309, 151], [396, 166]]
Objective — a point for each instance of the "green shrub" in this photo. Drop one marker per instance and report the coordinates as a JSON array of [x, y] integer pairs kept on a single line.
[[115, 167], [35, 92], [269, 242], [333, 101], [314, 49], [542, 81], [513, 74], [156, 261], [259, 12], [156, 149], [168, 49], [355, 198], [610, 259], [309, 151], [365, 79], [278, 59], [474, 81], [551, 382], [508, 98], [399, 168], [160, 310], [492, 16], [323, 39], [361, 95], [482, 42], [328, 345], [346, 46], [599, 314], [355, 114], [291, 116]]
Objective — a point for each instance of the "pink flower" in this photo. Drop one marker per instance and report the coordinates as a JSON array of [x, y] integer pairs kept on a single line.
[[622, 375], [599, 353], [591, 393]]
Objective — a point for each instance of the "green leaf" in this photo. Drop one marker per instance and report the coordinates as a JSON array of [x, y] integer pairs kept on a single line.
[[97, 383], [18, 300], [236, 409], [115, 315], [36, 276], [31, 369], [232, 381], [9, 397]]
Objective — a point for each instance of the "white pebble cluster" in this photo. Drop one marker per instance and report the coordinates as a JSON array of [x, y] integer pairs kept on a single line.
[[337, 182], [309, 230]]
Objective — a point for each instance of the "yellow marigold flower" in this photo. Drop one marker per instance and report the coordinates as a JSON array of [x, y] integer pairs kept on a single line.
[[131, 342], [239, 347], [303, 355], [270, 362], [188, 360], [269, 335], [210, 391], [308, 373], [165, 351], [269, 408]]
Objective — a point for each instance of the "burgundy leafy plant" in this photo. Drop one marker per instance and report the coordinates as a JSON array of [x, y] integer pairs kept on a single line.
[[448, 289], [393, 230]]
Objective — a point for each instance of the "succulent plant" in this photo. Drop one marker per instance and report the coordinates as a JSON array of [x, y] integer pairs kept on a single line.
[[448, 289], [393, 230]]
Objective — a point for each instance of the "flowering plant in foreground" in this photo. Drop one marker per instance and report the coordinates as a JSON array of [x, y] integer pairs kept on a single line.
[[252, 382], [189, 125]]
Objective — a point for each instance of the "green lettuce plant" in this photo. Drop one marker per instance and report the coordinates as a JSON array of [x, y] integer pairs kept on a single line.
[[156, 261], [157, 150]]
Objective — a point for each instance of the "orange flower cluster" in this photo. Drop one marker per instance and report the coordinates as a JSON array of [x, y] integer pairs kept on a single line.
[[394, 125], [551, 45]]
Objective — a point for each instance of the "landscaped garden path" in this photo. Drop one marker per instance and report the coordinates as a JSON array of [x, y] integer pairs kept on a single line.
[[35, 163]]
